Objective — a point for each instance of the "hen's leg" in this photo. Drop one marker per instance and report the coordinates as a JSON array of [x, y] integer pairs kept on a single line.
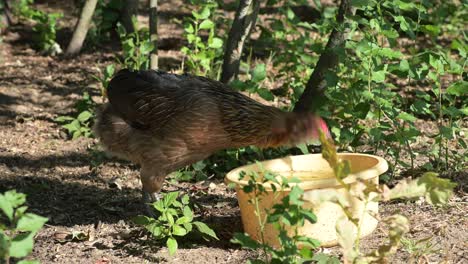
[[152, 179]]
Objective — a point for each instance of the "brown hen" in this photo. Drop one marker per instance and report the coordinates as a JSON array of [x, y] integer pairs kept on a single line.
[[165, 121]]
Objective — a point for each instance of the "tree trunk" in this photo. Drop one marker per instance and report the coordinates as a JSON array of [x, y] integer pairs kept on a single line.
[[82, 27], [5, 16], [244, 22], [329, 60], [153, 28], [130, 9]]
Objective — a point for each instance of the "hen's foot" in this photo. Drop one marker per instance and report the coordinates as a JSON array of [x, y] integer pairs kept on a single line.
[[149, 199]]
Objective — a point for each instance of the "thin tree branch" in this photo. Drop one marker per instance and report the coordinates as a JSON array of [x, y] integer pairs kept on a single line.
[[328, 61], [244, 22]]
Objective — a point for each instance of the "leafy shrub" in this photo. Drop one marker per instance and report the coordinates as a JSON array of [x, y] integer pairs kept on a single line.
[[44, 26], [80, 126], [287, 214], [175, 220], [17, 227], [136, 47], [202, 57]]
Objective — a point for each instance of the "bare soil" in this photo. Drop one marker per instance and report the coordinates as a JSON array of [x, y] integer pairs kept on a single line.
[[96, 203]]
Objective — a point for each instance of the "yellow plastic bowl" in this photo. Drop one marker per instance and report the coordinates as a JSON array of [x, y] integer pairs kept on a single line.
[[314, 173]]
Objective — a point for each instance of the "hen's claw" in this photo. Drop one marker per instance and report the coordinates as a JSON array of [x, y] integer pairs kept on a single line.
[[148, 200]]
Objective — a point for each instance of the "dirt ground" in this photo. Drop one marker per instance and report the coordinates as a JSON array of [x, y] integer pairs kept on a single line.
[[96, 203]]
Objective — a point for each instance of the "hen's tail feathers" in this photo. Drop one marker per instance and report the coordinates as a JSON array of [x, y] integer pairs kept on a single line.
[[295, 128]]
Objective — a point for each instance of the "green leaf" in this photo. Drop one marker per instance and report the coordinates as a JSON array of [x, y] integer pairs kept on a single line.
[[177, 230], [21, 245], [406, 117], [182, 220], [84, 116], [216, 43], [141, 220], [11, 200], [459, 88], [389, 53], [206, 24], [28, 262], [62, 119], [379, 76], [295, 195], [245, 241], [265, 94], [259, 73], [170, 198], [185, 200], [171, 245], [322, 258], [204, 229], [31, 222], [188, 213]]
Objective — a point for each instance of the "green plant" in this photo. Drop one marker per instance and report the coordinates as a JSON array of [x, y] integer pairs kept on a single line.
[[202, 57], [105, 19], [435, 190], [17, 228], [175, 219], [104, 78], [80, 126], [44, 26], [286, 215], [418, 249], [136, 47]]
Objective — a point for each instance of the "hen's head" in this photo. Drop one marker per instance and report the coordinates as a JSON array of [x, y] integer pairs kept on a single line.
[[295, 128]]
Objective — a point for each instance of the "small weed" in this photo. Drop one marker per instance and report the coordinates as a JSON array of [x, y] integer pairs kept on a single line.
[[175, 220], [44, 26], [136, 47], [285, 216], [80, 126], [17, 228], [202, 58], [418, 248]]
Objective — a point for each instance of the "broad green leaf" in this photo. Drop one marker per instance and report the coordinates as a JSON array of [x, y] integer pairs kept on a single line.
[[171, 245], [188, 213], [84, 116], [141, 220], [245, 241], [459, 88], [379, 76], [216, 43], [170, 198], [185, 199], [259, 73], [206, 24], [265, 94], [11, 200], [295, 195], [389, 53], [182, 220], [177, 230], [31, 222], [204, 229], [406, 117], [22, 245]]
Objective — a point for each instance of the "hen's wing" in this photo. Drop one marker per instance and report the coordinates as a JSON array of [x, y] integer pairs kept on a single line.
[[145, 100]]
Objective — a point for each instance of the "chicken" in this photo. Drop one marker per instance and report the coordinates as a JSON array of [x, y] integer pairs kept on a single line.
[[164, 121]]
